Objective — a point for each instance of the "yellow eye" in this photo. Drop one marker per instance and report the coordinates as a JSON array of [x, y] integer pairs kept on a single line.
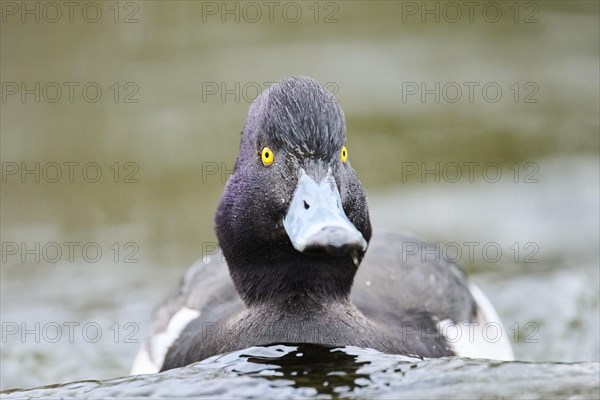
[[267, 156], [344, 154]]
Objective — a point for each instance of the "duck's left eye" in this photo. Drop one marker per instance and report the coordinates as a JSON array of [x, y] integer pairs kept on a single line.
[[344, 154], [267, 156]]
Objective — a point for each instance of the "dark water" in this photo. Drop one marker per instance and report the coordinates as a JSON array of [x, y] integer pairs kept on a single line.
[[309, 371]]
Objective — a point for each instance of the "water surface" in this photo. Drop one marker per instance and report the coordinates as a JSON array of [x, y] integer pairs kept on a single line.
[[309, 371]]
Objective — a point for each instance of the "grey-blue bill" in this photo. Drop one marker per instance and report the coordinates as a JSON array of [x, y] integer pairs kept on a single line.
[[316, 222]]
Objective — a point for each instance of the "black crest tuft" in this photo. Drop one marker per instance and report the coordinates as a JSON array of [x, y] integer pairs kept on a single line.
[[299, 114]]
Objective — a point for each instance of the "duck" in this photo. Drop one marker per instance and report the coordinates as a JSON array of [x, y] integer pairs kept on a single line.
[[298, 261]]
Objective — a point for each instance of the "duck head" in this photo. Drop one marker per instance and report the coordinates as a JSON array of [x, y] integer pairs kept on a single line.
[[293, 220]]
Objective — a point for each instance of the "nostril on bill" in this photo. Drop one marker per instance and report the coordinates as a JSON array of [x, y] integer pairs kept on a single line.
[[306, 205]]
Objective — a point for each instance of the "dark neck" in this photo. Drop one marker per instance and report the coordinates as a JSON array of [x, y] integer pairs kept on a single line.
[[292, 282]]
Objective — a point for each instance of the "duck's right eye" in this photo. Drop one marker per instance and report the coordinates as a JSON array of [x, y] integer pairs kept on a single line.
[[344, 154], [267, 156]]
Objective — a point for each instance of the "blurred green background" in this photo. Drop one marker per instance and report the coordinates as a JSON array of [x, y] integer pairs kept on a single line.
[[169, 56]]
